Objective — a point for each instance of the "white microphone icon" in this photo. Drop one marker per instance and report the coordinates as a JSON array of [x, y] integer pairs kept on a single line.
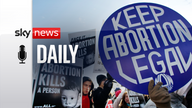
[[22, 55]]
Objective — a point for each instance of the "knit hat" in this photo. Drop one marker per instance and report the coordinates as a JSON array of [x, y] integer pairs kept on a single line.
[[117, 89], [88, 79], [100, 78], [117, 93]]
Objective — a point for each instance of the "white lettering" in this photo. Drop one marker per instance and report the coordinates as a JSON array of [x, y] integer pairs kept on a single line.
[[185, 65], [139, 69], [43, 47], [123, 75], [173, 63], [121, 44], [173, 31], [144, 39], [52, 54], [138, 48], [112, 48], [116, 22], [158, 63], [141, 15], [181, 30], [153, 35], [128, 17], [156, 15]]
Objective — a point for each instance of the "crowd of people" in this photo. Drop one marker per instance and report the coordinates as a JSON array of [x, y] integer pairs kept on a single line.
[[159, 97]]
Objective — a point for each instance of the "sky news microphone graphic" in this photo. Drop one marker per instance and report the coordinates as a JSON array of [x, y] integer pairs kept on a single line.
[[22, 55]]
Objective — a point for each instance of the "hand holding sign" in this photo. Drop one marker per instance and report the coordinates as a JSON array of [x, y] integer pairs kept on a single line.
[[146, 41], [160, 96]]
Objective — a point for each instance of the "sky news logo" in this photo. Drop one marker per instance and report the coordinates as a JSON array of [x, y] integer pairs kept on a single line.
[[46, 33]]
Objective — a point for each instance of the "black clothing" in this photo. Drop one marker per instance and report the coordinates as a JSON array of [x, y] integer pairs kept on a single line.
[[100, 95], [189, 98]]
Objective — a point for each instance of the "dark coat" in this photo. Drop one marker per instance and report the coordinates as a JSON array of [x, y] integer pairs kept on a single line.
[[100, 95]]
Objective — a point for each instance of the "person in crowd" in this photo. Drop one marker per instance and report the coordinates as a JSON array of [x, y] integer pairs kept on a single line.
[[100, 95], [70, 96], [117, 92], [124, 99], [161, 98], [186, 91], [87, 96]]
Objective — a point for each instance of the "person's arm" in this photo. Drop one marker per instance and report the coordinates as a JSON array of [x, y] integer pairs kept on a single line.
[[118, 99], [185, 89]]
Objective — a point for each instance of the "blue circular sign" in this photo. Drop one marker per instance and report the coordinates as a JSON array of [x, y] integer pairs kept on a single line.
[[146, 41]]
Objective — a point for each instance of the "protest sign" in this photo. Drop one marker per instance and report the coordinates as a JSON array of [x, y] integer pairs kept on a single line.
[[86, 41], [98, 65], [109, 104], [145, 41], [136, 99], [55, 84]]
